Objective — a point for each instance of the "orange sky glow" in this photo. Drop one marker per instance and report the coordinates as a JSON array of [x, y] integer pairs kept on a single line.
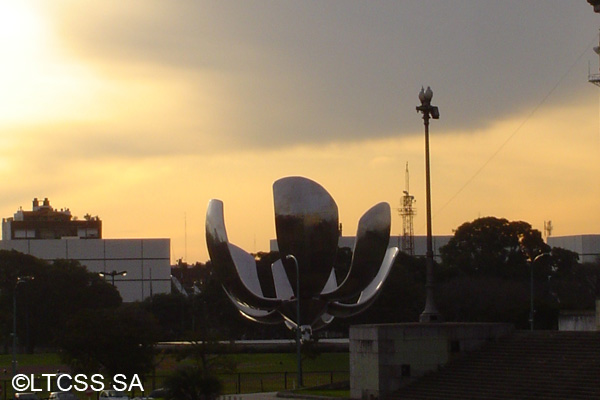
[[142, 112]]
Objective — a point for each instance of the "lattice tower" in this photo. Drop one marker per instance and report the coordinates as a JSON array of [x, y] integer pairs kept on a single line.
[[407, 212]]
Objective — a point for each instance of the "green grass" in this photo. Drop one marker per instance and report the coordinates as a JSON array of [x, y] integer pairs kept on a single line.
[[258, 372], [327, 393], [281, 362], [27, 360]]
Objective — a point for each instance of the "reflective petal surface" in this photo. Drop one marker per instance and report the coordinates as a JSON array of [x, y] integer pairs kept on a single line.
[[306, 223], [369, 295], [264, 317], [372, 240], [307, 227], [283, 288], [229, 260]]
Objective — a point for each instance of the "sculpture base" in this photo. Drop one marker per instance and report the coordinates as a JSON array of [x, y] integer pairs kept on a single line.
[[385, 357], [430, 317]]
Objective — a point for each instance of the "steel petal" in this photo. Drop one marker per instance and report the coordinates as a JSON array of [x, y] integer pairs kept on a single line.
[[370, 246], [283, 288], [369, 295], [235, 268], [325, 320], [306, 222]]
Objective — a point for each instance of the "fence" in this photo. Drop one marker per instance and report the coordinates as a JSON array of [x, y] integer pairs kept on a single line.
[[250, 382]]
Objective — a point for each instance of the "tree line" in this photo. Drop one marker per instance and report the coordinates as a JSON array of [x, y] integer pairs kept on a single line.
[[483, 276]]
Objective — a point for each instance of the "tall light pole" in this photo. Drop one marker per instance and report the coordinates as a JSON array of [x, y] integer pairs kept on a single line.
[[112, 274], [531, 310], [20, 279], [298, 352], [430, 314], [595, 4]]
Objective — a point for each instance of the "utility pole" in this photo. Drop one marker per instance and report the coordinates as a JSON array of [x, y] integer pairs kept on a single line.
[[430, 314]]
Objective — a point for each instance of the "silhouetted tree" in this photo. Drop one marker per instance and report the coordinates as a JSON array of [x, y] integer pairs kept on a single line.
[[191, 383], [58, 291], [493, 246], [118, 341]]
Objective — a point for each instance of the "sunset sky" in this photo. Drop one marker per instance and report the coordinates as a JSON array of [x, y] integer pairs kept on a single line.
[[140, 111]]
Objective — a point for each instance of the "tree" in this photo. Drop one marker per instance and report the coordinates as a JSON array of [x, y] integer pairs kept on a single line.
[[58, 292], [191, 383], [119, 341], [493, 246], [172, 312], [45, 304]]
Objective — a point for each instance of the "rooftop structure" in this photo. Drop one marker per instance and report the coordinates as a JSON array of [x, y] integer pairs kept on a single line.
[[45, 222]]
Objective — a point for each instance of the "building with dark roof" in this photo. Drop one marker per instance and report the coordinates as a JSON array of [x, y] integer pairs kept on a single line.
[[45, 222]]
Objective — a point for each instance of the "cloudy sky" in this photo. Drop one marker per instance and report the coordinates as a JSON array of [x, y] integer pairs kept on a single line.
[[141, 111]]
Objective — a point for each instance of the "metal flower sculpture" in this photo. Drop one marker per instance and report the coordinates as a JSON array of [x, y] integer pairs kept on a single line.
[[306, 222]]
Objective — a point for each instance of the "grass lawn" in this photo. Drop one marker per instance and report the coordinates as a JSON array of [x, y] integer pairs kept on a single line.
[[280, 362], [43, 359], [258, 372], [328, 393]]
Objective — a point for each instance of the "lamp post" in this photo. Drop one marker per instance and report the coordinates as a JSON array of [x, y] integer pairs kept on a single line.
[[20, 279], [531, 310], [430, 313], [298, 352], [112, 274]]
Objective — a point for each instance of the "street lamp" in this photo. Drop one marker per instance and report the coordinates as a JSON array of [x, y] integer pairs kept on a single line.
[[531, 264], [430, 314], [298, 352], [595, 4], [20, 279], [112, 274]]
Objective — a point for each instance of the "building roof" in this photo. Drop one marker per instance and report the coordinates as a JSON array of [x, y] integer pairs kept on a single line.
[[526, 365]]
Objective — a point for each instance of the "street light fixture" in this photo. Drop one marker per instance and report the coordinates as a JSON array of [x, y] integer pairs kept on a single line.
[[112, 274], [430, 313], [298, 352], [20, 279]]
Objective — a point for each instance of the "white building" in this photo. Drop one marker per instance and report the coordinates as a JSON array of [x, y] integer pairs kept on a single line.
[[145, 261], [587, 246]]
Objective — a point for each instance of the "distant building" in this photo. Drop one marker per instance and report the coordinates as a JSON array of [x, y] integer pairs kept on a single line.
[[420, 244], [586, 246], [44, 222], [51, 234]]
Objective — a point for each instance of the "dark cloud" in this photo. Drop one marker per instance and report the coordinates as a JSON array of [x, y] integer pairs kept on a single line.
[[312, 71]]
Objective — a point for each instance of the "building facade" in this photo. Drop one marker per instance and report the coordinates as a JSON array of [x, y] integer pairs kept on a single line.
[[51, 234], [586, 246]]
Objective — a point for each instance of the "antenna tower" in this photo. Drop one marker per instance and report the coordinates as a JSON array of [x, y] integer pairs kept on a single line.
[[407, 212], [595, 78], [548, 229]]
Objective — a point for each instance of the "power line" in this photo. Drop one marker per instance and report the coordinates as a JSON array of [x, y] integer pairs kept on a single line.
[[517, 130]]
